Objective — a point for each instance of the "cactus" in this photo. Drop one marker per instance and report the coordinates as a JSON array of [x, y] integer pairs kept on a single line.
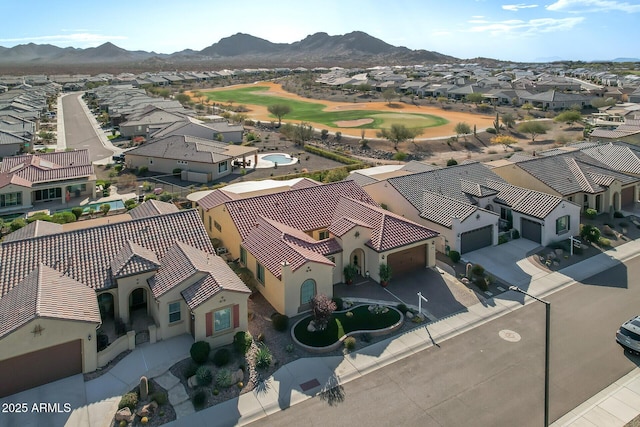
[[144, 388], [496, 123]]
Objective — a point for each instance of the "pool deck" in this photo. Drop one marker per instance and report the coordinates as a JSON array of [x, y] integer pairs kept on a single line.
[[264, 164]]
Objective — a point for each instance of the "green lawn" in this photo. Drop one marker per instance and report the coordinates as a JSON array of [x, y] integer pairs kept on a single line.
[[313, 111], [362, 320]]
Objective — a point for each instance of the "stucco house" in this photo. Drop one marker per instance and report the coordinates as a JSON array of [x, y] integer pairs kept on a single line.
[[157, 274], [469, 206], [297, 242], [29, 181], [201, 160], [219, 130]]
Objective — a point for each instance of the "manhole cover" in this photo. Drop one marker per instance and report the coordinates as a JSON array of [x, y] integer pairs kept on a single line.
[[508, 335]]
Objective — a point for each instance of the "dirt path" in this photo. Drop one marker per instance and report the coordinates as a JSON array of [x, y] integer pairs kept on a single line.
[[260, 113]]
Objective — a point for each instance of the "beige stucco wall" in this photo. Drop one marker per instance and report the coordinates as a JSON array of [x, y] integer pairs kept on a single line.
[[161, 310], [160, 165], [228, 232], [385, 194], [514, 175], [126, 285], [54, 332], [222, 300]]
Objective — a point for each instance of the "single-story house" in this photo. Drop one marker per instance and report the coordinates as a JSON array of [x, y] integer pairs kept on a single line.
[[220, 131], [148, 121], [557, 100], [297, 242], [58, 291]]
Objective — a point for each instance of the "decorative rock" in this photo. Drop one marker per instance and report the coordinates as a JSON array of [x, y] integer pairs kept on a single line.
[[147, 409], [465, 281], [551, 255], [559, 252], [144, 388], [409, 315], [125, 414], [192, 382], [237, 376], [311, 327]]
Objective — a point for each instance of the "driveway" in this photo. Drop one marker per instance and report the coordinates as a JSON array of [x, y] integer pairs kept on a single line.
[[508, 262]]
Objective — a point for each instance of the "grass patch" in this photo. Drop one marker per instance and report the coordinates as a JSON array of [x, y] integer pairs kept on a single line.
[[314, 111], [341, 324]]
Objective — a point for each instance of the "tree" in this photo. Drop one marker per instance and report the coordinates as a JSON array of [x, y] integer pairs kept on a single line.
[[475, 97], [322, 308], [335, 175], [105, 208], [462, 129], [598, 102], [590, 233], [324, 135], [452, 162], [569, 117], [400, 156], [442, 100], [364, 88], [338, 136], [279, 110], [504, 140], [299, 133], [533, 128], [527, 107], [508, 120], [397, 133], [182, 98], [388, 95]]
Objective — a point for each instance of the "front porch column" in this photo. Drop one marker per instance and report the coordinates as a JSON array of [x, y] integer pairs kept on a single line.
[[93, 189], [64, 197]]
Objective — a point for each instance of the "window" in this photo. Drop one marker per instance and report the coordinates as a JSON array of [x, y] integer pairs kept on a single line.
[[323, 235], [222, 167], [174, 312], [222, 320], [10, 199], [47, 194], [506, 215], [243, 255], [260, 272], [307, 291], [217, 226], [563, 224], [210, 224]]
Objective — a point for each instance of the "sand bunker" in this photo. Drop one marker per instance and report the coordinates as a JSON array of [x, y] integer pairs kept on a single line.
[[353, 123]]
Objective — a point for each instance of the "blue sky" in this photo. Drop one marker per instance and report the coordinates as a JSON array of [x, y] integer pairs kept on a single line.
[[527, 31]]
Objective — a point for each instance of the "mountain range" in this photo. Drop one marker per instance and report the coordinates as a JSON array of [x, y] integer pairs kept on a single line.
[[355, 48]]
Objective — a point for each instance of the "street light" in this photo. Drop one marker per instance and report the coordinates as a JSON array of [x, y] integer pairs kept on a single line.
[[546, 351]]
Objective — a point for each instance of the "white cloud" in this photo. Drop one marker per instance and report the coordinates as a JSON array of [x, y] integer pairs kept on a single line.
[[77, 39], [525, 28], [581, 6], [516, 7]]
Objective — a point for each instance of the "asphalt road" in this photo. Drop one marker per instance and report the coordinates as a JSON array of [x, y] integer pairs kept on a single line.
[[479, 379], [79, 131]]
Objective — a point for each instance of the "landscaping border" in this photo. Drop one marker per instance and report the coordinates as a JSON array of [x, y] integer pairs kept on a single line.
[[339, 342]]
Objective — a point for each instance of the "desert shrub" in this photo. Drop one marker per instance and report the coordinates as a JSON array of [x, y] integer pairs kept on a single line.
[[491, 130], [454, 256], [129, 400], [105, 208], [160, 397], [339, 303], [477, 270], [117, 168], [130, 204], [618, 214], [502, 239], [17, 224], [591, 213], [481, 283], [350, 343], [263, 357], [242, 342], [199, 399], [280, 322], [402, 308], [590, 233], [77, 212], [515, 234], [63, 217], [190, 370], [221, 357], [200, 351], [204, 375], [604, 242], [142, 170], [177, 172], [452, 162], [223, 378]]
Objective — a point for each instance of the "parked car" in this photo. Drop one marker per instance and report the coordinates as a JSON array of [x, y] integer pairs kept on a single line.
[[118, 158], [628, 336]]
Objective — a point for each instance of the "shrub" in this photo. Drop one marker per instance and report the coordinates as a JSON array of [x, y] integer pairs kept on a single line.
[[515, 234], [177, 172], [289, 348], [242, 342], [142, 170], [492, 130], [200, 352], [263, 357], [477, 270], [199, 399], [105, 208], [221, 357], [144, 420], [618, 214], [502, 239], [280, 322], [160, 397], [190, 369], [77, 212], [129, 400], [204, 375], [17, 224], [604, 242], [339, 303], [454, 256], [322, 308], [223, 378], [590, 233], [130, 204], [452, 162], [123, 423], [402, 308], [481, 283], [350, 343], [591, 213], [118, 168]]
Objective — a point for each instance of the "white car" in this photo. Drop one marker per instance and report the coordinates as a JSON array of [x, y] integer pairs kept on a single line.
[[628, 336]]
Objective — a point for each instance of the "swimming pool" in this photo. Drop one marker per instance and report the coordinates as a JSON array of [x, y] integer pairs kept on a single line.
[[270, 160], [115, 205]]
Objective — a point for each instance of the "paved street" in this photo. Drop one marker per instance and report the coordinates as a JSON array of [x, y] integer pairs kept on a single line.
[[480, 378], [79, 130]]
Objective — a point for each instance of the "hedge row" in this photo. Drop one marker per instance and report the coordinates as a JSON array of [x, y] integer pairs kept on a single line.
[[331, 155]]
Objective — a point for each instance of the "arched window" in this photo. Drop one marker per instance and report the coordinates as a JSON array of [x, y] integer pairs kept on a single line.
[[307, 291]]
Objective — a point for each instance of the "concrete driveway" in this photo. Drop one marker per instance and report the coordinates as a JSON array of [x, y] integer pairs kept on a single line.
[[508, 262]]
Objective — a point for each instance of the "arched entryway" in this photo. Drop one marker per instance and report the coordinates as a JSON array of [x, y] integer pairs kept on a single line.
[[138, 302], [357, 259], [308, 290], [616, 201], [106, 306]]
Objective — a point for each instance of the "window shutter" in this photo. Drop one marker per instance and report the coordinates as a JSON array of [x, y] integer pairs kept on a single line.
[[209, 324], [236, 316]]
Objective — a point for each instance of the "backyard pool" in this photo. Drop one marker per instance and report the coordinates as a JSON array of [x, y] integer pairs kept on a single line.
[[115, 205], [270, 160]]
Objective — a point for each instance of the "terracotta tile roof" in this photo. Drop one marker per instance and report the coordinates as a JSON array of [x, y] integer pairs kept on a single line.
[[221, 277], [61, 165], [152, 208], [10, 178], [86, 254], [304, 183], [213, 199], [133, 259], [46, 293], [35, 229], [343, 225]]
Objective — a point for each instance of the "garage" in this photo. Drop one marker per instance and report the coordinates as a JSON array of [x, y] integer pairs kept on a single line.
[[476, 239], [627, 196], [40, 367], [531, 230], [407, 260]]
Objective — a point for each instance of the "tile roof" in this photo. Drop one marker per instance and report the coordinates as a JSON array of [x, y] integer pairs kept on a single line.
[[188, 148], [152, 207], [86, 254], [361, 179], [46, 293], [618, 157], [35, 229], [221, 277], [36, 168], [442, 209], [343, 225], [529, 202], [213, 199], [133, 259]]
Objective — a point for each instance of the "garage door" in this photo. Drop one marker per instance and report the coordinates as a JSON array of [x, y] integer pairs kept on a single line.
[[40, 367], [407, 260], [531, 230], [627, 196], [476, 239]]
